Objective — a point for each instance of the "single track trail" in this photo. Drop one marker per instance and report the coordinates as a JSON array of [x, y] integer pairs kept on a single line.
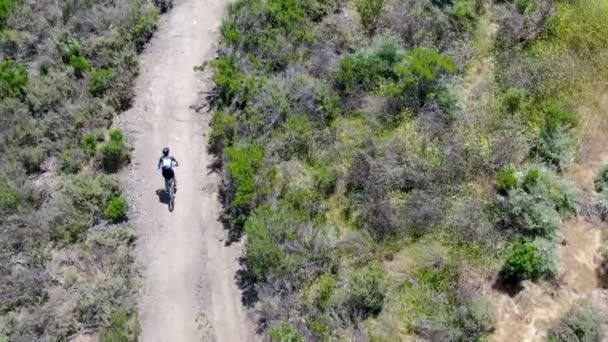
[[189, 291]]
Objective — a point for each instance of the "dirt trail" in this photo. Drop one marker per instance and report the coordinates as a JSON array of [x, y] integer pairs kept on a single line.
[[189, 291]]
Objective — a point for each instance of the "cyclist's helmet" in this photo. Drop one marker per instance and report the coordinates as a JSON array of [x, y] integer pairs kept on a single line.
[[165, 151]]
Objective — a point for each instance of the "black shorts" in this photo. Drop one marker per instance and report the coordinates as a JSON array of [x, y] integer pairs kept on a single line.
[[168, 173]]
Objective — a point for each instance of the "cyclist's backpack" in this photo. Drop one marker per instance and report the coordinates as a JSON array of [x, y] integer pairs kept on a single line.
[[167, 163]]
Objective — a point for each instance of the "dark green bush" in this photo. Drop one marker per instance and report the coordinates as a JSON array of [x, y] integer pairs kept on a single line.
[[581, 324], [464, 11], [232, 86], [285, 333], [556, 146], [68, 47], [99, 81], [244, 161], [513, 99], [124, 327], [13, 78], [263, 253], [223, 127], [116, 210], [6, 6], [523, 5], [229, 31], [9, 196], [523, 262], [366, 69], [418, 73], [80, 65], [114, 153], [507, 179], [370, 11], [143, 27], [89, 144], [367, 289]]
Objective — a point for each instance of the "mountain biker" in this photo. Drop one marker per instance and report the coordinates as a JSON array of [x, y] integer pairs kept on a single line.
[[166, 162]]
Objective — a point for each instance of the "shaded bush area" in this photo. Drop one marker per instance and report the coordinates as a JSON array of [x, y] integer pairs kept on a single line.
[[66, 68], [349, 139]]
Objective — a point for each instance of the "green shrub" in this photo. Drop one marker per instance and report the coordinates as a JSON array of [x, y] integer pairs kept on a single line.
[[144, 27], [370, 67], [31, 159], [367, 289], [325, 288], [556, 146], [80, 65], [68, 47], [529, 215], [116, 210], [99, 81], [523, 262], [370, 11], [263, 253], [230, 33], [244, 161], [89, 144], [325, 178], [296, 137], [6, 7], [80, 203], [548, 257], [285, 333], [464, 11], [223, 127], [418, 73], [581, 324], [9, 196], [545, 185], [124, 327], [13, 78], [70, 161], [114, 152], [507, 179], [523, 5], [232, 85], [513, 99]]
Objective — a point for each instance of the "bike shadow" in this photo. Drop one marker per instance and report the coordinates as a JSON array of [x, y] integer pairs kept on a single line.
[[163, 196]]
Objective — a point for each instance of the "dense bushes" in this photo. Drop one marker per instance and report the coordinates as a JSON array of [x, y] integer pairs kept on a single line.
[[65, 70], [532, 205], [349, 146]]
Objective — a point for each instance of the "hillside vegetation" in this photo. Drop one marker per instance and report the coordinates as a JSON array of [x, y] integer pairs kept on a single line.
[[380, 177], [66, 261]]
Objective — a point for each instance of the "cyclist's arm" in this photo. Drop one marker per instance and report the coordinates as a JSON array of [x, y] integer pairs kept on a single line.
[[160, 162], [175, 161]]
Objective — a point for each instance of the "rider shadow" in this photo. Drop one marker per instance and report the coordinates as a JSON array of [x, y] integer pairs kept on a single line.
[[164, 198]]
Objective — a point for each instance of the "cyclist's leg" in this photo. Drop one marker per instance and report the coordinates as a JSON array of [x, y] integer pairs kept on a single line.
[[174, 180], [166, 176]]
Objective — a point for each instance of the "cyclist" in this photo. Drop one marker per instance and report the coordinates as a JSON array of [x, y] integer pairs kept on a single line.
[[166, 162]]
